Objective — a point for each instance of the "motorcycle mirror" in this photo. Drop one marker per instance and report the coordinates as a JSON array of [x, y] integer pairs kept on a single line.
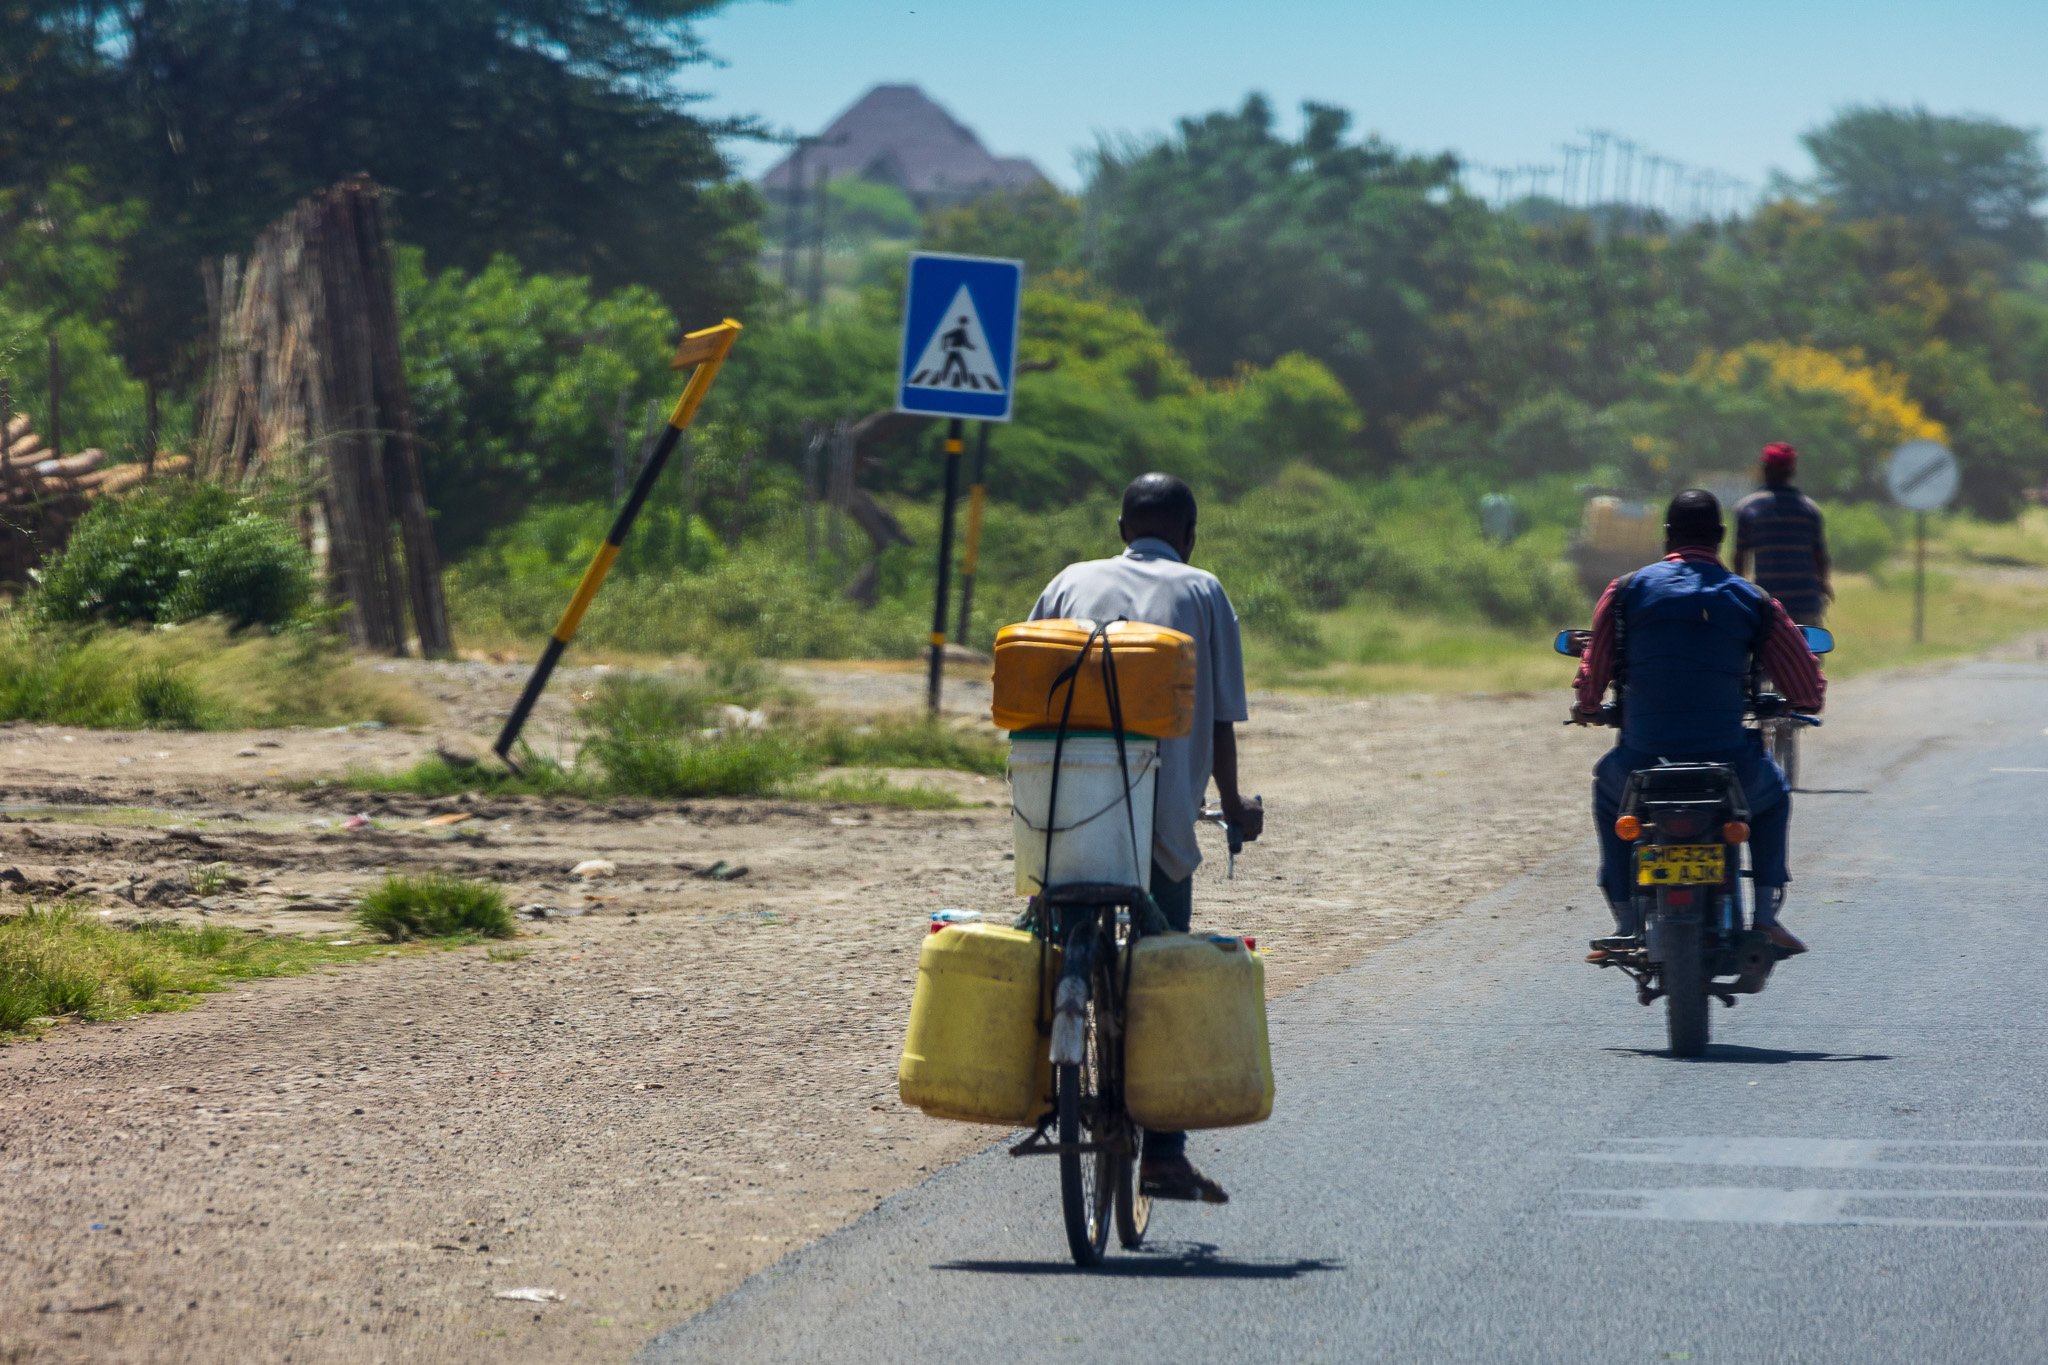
[[1819, 639], [1571, 643]]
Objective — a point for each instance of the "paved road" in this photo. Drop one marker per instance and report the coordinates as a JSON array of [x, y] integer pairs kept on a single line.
[[1480, 1153]]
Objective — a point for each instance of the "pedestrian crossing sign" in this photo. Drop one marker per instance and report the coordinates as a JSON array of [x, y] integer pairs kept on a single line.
[[959, 336]]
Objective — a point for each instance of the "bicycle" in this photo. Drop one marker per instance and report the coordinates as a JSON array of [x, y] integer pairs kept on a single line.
[[1096, 1140], [1094, 1136]]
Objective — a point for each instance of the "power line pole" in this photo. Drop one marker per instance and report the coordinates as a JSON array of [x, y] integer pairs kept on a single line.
[[818, 209]]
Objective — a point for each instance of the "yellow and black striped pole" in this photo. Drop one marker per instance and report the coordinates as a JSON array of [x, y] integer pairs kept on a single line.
[[702, 353], [955, 443], [970, 556]]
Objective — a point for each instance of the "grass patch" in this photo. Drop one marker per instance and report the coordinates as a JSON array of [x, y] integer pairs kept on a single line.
[[659, 738], [1967, 613], [502, 954], [875, 789], [905, 742], [437, 777], [435, 906], [196, 677], [58, 962], [1371, 648]]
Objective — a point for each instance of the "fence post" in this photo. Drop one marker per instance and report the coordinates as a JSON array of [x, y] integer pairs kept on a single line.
[[56, 436]]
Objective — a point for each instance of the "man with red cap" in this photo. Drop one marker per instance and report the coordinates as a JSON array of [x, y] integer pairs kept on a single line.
[[1780, 528]]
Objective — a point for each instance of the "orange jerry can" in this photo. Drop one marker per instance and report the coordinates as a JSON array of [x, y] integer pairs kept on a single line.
[[1155, 677]]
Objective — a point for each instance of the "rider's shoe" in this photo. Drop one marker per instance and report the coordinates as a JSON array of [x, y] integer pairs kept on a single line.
[[1781, 938], [1175, 1177]]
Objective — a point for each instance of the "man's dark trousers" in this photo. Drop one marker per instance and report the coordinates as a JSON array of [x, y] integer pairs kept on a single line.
[[1176, 900], [1770, 818]]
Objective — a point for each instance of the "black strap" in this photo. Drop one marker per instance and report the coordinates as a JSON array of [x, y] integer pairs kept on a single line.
[[1618, 674]]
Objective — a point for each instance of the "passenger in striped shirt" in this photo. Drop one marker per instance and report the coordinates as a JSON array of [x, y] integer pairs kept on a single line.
[[1780, 528]]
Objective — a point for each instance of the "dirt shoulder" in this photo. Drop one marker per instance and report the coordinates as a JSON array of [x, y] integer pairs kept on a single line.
[[672, 1088]]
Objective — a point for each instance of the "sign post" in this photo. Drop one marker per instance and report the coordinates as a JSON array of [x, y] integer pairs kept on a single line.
[[701, 353], [959, 360], [1922, 477]]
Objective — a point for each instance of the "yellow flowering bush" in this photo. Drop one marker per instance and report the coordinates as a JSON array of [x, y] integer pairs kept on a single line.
[[1873, 396]]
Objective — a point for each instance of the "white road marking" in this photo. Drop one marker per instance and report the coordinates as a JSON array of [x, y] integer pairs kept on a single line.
[[1825, 1207], [1828, 1154], [2020, 770]]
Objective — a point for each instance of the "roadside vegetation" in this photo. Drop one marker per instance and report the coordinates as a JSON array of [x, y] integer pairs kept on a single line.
[[436, 907], [64, 961], [670, 739]]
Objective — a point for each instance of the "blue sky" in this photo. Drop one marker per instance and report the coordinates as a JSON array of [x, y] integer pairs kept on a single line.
[[1725, 84]]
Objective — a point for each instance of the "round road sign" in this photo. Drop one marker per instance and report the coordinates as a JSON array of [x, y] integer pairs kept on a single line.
[[1922, 476]]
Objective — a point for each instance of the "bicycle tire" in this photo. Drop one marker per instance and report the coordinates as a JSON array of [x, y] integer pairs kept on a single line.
[[1086, 1178]]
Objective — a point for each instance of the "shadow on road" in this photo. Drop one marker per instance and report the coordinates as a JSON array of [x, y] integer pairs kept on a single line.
[[1729, 1055], [1832, 791], [1165, 1260]]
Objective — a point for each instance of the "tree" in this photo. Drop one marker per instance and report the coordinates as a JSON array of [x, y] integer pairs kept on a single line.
[[1246, 245], [1976, 178], [550, 129], [1040, 226]]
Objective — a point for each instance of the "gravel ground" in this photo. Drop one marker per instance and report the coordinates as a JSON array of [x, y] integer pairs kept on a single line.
[[681, 1079]]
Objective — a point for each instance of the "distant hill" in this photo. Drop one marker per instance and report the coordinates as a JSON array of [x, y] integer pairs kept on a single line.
[[900, 136]]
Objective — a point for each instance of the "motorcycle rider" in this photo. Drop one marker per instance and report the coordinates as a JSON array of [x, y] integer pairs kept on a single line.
[[1690, 634], [1152, 581], [1782, 530]]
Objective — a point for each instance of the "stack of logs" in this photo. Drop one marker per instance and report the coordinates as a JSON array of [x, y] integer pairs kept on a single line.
[[43, 494], [307, 398]]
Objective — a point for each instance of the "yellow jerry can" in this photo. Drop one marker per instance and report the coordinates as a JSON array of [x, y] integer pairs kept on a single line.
[[974, 1052], [1155, 677], [1196, 1055]]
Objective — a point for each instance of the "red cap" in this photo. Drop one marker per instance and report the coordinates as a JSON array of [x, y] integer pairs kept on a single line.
[[1778, 455]]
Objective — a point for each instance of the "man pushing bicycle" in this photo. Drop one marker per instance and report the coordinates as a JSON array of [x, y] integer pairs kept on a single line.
[[1152, 581]]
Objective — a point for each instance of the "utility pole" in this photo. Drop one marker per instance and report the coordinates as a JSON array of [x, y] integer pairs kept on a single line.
[[818, 206], [1596, 186], [1624, 167], [793, 223], [1574, 157]]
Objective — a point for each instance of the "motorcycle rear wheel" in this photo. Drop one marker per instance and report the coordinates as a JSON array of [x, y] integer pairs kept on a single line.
[[1686, 1021]]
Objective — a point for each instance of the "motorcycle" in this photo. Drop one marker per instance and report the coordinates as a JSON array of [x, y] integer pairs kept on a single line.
[[1688, 823]]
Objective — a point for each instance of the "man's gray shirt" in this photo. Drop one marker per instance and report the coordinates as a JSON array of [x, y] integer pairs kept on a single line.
[[1148, 582]]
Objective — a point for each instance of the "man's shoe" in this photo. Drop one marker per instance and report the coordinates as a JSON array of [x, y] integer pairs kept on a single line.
[[1175, 1177], [1781, 939]]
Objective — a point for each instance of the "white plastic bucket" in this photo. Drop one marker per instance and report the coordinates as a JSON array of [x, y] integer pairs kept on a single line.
[[1092, 831]]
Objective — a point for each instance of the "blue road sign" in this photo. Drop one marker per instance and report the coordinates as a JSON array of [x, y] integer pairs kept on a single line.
[[959, 337]]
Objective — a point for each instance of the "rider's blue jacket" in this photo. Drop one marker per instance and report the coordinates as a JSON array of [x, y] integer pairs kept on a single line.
[[1690, 629]]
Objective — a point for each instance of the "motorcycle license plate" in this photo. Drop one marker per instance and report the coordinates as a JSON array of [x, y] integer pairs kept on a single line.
[[1682, 865]]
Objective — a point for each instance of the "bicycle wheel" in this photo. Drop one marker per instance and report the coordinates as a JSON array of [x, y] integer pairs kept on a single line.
[[1088, 1180], [1133, 1207]]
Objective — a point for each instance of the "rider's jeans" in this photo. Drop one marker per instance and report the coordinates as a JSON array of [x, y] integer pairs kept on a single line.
[[1770, 818], [1176, 900]]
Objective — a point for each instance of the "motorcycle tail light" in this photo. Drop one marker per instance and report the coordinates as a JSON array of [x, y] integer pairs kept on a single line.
[[1681, 826], [1735, 832], [1628, 827]]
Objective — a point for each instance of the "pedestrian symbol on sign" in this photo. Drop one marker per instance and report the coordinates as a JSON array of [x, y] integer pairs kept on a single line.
[[957, 356]]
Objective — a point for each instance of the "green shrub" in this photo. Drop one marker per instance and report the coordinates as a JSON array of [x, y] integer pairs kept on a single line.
[[177, 553], [435, 906], [166, 701], [1859, 538]]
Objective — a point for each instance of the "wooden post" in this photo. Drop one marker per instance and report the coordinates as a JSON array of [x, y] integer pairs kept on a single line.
[[743, 487], [618, 426], [840, 491], [55, 435], [149, 428], [812, 448]]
